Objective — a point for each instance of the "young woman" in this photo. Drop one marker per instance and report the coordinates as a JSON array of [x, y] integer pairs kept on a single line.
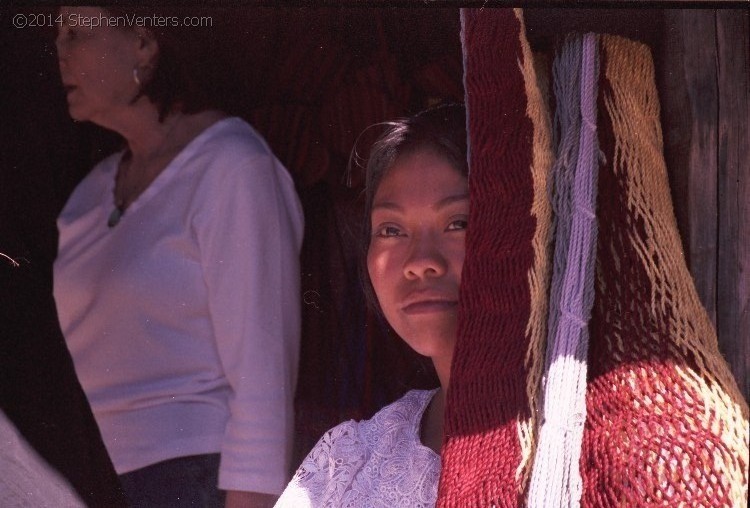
[[417, 209]]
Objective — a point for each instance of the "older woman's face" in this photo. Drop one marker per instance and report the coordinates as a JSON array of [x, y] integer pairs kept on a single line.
[[416, 253], [96, 64]]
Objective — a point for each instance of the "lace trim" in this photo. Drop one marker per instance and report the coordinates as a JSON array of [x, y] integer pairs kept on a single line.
[[379, 462]]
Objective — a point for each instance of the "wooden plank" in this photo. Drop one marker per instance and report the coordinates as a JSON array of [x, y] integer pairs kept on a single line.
[[545, 26], [676, 119], [689, 99], [733, 294]]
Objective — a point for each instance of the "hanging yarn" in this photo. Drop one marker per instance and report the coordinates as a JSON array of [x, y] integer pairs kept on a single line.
[[665, 424], [556, 479]]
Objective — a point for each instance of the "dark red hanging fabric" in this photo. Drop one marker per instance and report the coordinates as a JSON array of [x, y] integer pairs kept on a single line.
[[488, 421]]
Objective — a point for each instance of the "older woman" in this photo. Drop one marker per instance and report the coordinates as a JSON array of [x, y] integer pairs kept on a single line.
[[177, 275]]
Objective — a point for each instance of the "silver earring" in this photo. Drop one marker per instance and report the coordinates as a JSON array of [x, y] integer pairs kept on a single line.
[[136, 78]]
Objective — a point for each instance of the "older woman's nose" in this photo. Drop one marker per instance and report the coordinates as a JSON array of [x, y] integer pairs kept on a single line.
[[60, 48]]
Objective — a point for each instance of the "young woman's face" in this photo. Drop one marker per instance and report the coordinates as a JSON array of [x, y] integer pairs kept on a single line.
[[96, 63], [419, 218]]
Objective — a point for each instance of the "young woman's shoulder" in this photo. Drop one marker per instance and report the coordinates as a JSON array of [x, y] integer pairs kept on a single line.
[[402, 415], [398, 417], [345, 467]]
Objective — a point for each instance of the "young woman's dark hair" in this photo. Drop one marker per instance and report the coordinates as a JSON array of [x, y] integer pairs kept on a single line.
[[190, 72], [441, 129]]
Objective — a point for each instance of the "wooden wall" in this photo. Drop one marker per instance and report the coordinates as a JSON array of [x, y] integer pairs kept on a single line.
[[704, 69]]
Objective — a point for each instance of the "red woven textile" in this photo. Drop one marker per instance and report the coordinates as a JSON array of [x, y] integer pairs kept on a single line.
[[487, 394]]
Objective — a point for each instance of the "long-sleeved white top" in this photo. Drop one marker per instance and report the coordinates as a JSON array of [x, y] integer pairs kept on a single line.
[[183, 320]]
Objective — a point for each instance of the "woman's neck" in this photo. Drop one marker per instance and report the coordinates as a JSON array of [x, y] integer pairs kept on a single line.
[[151, 139], [431, 433], [152, 148], [433, 418]]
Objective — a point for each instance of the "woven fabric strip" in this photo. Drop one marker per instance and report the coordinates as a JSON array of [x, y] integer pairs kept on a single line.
[[488, 414], [666, 424], [556, 479]]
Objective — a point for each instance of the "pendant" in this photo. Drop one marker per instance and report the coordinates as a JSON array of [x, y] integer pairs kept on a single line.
[[114, 217]]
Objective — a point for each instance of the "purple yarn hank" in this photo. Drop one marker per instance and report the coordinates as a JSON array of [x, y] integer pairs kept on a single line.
[[556, 479]]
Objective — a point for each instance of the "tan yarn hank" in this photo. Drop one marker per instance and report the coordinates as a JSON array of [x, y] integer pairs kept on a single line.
[[685, 437], [539, 276]]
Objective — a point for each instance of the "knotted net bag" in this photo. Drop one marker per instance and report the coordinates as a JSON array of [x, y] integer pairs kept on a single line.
[[665, 422]]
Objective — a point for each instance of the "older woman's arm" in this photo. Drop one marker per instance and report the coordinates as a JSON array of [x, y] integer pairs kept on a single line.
[[250, 231]]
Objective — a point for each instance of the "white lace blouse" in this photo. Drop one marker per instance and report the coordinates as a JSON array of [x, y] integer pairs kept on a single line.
[[379, 462]]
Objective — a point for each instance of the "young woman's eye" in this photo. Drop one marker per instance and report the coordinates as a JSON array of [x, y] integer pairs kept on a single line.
[[388, 231], [457, 225]]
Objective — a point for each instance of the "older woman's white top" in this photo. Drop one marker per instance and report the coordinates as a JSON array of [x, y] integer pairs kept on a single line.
[[379, 462], [183, 320]]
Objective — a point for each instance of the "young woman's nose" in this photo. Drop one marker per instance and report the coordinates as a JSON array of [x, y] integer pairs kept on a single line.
[[425, 258]]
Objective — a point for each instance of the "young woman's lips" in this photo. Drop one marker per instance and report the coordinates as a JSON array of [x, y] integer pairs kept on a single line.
[[429, 306]]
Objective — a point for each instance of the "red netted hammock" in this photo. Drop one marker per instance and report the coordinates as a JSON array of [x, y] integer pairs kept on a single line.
[[661, 421]]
